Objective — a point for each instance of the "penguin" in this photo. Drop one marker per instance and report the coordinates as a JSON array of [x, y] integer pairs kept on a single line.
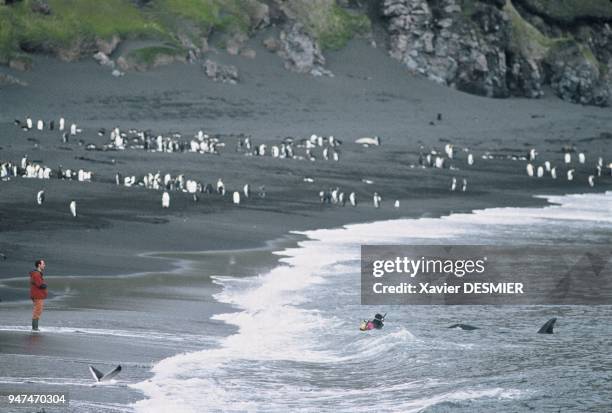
[[570, 175], [464, 186], [547, 166], [236, 198], [453, 184], [553, 173], [448, 148], [336, 156], [540, 171], [73, 210], [376, 199], [220, 187], [246, 190], [568, 157], [29, 123], [581, 157], [532, 154], [529, 169], [166, 200], [40, 125], [353, 199], [470, 159], [61, 124], [40, 197], [591, 181], [73, 129], [396, 204]]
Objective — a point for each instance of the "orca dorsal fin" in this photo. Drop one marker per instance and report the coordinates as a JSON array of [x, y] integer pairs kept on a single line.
[[112, 373], [548, 326], [97, 374]]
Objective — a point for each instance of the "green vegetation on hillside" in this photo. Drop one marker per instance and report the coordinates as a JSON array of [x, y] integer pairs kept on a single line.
[[571, 10]]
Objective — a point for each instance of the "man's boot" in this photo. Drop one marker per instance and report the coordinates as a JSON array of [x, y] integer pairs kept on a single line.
[[35, 324]]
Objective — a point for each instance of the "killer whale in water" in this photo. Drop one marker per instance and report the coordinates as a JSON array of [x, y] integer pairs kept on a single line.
[[99, 376], [463, 327], [548, 326]]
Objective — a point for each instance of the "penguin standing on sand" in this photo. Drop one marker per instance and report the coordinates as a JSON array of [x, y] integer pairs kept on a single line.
[[73, 210], [220, 187], [352, 199], [464, 186], [166, 200], [591, 181], [529, 169], [61, 124], [236, 198], [40, 197], [246, 190], [453, 184], [376, 199], [470, 159]]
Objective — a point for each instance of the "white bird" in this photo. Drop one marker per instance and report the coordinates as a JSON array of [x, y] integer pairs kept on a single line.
[[470, 159], [29, 123], [336, 156], [236, 198], [553, 173], [529, 169], [568, 157], [61, 124], [397, 203], [352, 199], [570, 175], [73, 129], [453, 184], [166, 200], [40, 197], [591, 181], [540, 171], [600, 161], [581, 157], [246, 190], [464, 186], [73, 208], [547, 166], [39, 125]]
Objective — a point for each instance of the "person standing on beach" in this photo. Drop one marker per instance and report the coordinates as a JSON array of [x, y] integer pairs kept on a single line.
[[38, 292]]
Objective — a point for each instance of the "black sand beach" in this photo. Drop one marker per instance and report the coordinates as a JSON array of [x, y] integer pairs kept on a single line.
[[117, 227]]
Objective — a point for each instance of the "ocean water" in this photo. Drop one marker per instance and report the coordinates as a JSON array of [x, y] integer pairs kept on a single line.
[[298, 347]]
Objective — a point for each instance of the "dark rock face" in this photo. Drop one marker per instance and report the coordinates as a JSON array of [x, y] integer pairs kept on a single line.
[[443, 45], [488, 48], [576, 78], [301, 52]]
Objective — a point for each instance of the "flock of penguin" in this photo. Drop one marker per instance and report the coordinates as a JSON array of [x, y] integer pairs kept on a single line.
[[311, 149]]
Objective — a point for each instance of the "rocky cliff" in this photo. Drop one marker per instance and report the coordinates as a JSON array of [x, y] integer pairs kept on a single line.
[[495, 48]]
